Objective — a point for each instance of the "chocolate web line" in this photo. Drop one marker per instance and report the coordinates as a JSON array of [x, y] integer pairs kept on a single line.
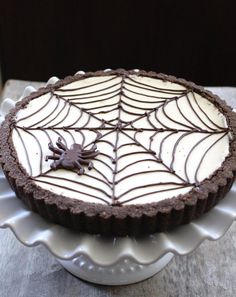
[[123, 104]]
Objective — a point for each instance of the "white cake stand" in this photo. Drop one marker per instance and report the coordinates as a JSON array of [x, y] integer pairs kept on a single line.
[[109, 261], [112, 261]]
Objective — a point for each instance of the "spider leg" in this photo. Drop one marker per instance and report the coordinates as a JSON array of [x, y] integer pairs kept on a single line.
[[56, 164], [90, 165], [96, 153], [89, 156], [86, 152], [87, 162], [93, 149], [60, 144], [54, 149], [81, 169], [83, 161], [51, 158]]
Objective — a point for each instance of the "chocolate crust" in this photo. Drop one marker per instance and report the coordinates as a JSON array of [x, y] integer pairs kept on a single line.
[[126, 219]]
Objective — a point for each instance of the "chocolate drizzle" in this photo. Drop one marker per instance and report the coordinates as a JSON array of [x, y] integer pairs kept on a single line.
[[117, 109]]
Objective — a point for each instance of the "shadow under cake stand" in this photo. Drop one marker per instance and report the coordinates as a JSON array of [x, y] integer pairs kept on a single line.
[[114, 260]]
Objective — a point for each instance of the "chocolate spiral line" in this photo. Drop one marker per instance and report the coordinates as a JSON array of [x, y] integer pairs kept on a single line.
[[85, 87], [95, 101], [155, 157], [152, 185], [134, 153], [153, 88], [138, 161], [135, 100], [82, 135], [138, 173], [125, 144], [159, 121], [171, 119], [101, 107], [99, 172], [104, 111], [66, 115], [129, 112], [205, 153], [189, 155], [217, 126], [99, 179], [71, 135], [95, 140], [151, 138], [162, 143], [76, 121], [40, 148], [175, 148], [106, 141], [67, 188], [190, 122], [113, 93], [190, 104], [130, 105], [38, 110], [145, 95], [77, 96], [104, 163], [78, 183], [47, 115], [25, 149], [57, 114], [155, 192], [89, 114], [136, 133], [47, 134], [125, 105]]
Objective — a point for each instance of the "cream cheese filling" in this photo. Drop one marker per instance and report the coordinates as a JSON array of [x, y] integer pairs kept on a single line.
[[164, 138]]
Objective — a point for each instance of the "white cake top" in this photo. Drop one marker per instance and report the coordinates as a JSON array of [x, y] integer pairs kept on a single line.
[[156, 139]]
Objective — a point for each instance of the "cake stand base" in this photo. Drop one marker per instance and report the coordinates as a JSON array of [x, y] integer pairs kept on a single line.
[[124, 272]]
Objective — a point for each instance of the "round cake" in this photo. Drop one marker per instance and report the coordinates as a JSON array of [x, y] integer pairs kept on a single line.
[[120, 152]]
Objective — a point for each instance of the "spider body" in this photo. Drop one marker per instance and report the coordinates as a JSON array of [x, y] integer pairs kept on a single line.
[[72, 158]]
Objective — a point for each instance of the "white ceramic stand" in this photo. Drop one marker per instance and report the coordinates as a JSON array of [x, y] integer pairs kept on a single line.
[[112, 261]]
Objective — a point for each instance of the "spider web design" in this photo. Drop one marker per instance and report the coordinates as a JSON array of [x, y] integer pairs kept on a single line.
[[139, 128]]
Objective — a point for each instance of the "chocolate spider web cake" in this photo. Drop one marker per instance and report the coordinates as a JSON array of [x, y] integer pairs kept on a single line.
[[121, 145]]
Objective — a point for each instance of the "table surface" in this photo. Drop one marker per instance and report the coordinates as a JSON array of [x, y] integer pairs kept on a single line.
[[32, 272]]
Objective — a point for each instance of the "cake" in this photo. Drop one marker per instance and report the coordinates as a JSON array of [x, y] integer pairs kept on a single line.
[[120, 152]]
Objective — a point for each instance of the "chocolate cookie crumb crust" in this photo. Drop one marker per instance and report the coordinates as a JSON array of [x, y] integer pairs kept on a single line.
[[124, 219]]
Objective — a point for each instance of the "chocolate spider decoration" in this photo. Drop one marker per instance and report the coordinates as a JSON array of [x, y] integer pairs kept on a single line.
[[71, 158]]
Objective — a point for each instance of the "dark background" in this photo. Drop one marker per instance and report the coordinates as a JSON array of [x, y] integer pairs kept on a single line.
[[191, 39]]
